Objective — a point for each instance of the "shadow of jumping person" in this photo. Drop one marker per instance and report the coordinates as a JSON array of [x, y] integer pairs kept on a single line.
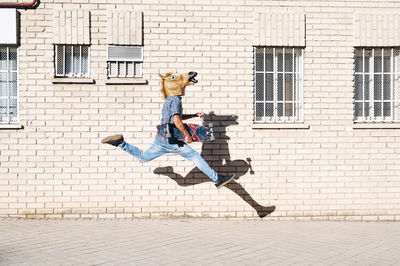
[[217, 155]]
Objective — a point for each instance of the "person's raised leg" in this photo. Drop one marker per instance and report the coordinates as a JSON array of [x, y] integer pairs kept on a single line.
[[187, 152], [151, 153]]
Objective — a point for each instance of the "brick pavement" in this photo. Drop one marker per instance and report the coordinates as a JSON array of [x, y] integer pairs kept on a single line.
[[197, 242]]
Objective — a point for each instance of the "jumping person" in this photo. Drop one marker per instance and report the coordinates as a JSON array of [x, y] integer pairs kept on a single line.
[[172, 89]]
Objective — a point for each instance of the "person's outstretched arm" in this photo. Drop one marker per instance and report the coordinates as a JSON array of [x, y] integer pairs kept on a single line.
[[198, 114], [179, 124]]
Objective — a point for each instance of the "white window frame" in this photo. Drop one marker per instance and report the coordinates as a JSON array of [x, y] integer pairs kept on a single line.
[[372, 102], [64, 74], [8, 97], [297, 86], [124, 61]]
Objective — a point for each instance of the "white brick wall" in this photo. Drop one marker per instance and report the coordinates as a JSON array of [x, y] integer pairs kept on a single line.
[[124, 27], [376, 29], [56, 167], [71, 26], [284, 29]]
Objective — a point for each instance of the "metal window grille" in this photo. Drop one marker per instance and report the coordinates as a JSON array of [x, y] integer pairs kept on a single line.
[[377, 85], [8, 85], [278, 85], [124, 61], [72, 61]]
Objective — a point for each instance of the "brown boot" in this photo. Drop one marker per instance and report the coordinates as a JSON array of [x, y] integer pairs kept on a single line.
[[115, 140], [223, 180]]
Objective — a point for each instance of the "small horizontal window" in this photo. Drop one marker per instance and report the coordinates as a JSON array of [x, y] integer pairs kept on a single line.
[[72, 61], [124, 61]]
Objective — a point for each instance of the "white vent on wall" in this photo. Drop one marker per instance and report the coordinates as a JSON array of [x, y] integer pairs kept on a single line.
[[124, 61], [8, 29], [125, 53]]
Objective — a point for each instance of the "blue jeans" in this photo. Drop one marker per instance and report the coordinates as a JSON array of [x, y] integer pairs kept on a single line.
[[156, 150]]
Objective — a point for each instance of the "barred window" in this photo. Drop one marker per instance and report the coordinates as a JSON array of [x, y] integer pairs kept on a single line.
[[8, 84], [278, 83], [72, 61], [124, 61], [377, 85]]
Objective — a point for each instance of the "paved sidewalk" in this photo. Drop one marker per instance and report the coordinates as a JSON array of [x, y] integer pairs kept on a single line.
[[197, 242]]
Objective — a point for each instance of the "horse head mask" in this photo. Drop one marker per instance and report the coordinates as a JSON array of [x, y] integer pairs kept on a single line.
[[174, 84]]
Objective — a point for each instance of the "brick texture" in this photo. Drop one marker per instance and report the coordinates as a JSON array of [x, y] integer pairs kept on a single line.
[[56, 166], [124, 27], [376, 30], [71, 26], [283, 29]]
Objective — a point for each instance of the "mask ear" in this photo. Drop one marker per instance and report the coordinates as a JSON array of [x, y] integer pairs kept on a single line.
[[161, 76]]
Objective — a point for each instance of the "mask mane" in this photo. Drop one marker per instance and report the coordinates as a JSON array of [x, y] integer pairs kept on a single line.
[[163, 91]]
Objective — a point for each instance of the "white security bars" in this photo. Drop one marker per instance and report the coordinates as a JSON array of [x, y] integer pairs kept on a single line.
[[72, 61], [377, 85], [124, 61], [278, 83], [8, 85]]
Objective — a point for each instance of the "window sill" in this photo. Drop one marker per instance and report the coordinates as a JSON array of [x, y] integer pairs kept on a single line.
[[11, 126], [280, 126], [73, 81], [126, 81], [378, 125]]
